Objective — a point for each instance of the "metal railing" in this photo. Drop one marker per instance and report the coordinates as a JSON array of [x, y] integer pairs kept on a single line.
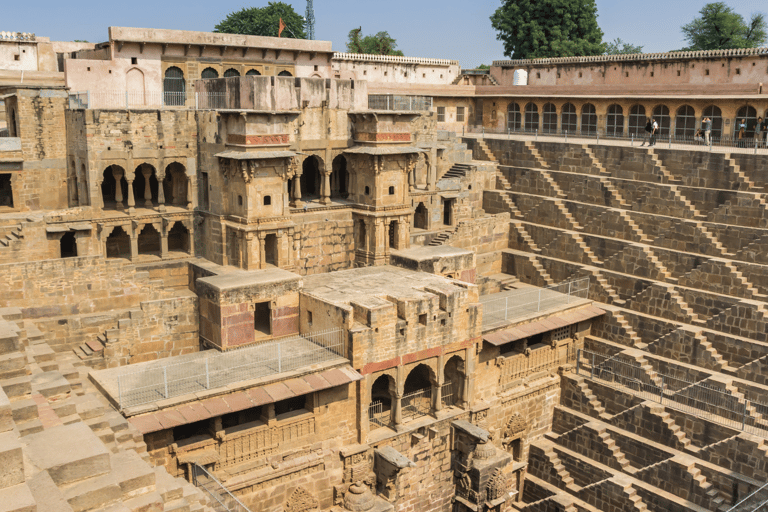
[[377, 415], [394, 102], [667, 139], [221, 369], [116, 99], [697, 398], [757, 501], [534, 301], [417, 403], [221, 499]]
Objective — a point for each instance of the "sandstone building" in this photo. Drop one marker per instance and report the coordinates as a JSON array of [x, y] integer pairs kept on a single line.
[[245, 273]]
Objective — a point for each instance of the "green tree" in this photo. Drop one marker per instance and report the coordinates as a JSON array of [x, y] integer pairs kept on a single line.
[[379, 44], [483, 66], [719, 27], [533, 29], [619, 47], [264, 21]]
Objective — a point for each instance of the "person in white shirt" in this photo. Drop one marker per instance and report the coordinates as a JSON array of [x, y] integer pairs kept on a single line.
[[654, 131]]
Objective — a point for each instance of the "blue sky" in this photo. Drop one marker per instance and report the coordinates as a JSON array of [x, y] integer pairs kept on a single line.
[[455, 29]]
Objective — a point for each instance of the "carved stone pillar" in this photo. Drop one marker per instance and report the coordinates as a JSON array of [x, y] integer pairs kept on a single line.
[[262, 250], [164, 244], [131, 201], [147, 173], [134, 246], [296, 199], [326, 189], [161, 192], [118, 175], [397, 411]]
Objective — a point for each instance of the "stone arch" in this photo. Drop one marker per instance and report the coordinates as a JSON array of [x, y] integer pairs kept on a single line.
[[588, 119], [549, 118], [114, 187], [311, 176], [716, 115], [174, 87], [145, 186], [176, 185], [253, 72], [231, 72], [453, 379], [381, 399], [569, 119], [420, 376], [661, 115], [685, 122], [148, 240], [285, 72], [118, 243], [749, 114], [339, 177], [178, 237], [68, 245], [209, 73], [514, 117], [614, 121], [531, 117], [421, 217], [134, 84], [637, 121]]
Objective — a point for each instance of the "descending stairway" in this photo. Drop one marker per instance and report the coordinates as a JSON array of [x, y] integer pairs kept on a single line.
[[11, 236], [457, 171], [486, 151]]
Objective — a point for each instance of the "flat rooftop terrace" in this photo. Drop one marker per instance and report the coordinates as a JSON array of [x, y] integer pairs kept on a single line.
[[528, 303], [209, 371]]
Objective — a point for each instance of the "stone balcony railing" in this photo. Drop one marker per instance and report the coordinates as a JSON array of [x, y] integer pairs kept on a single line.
[[16, 36]]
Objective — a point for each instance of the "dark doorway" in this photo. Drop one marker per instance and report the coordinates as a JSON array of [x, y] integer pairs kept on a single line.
[[178, 238], [310, 177], [420, 217], [118, 244], [6, 191], [453, 379], [140, 186], [109, 187], [175, 185], [262, 319], [447, 212], [68, 245], [340, 178], [270, 249], [393, 235], [149, 240]]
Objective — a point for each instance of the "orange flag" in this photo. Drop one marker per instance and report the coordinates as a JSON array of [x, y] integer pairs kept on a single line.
[[281, 28]]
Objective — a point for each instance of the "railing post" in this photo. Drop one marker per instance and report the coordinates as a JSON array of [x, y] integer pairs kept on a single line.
[[566, 135], [207, 375], [578, 360], [756, 145], [483, 131], [592, 376], [632, 139], [744, 416], [597, 134], [126, 98], [165, 380], [661, 393], [537, 135]]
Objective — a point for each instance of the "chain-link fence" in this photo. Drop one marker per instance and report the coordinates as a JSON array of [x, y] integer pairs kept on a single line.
[[702, 399]]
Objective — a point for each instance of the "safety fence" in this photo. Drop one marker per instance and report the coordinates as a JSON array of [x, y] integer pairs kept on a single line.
[[668, 140], [756, 501], [536, 300], [698, 398], [415, 404], [221, 499], [221, 369], [394, 102], [119, 99]]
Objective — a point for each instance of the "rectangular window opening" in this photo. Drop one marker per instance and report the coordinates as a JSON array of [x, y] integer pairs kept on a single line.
[[309, 318], [134, 60], [291, 405], [440, 114], [6, 191], [262, 319], [459, 114], [423, 319]]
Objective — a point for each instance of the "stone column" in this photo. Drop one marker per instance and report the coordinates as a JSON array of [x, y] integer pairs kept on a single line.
[[397, 412], [437, 395], [118, 175], [131, 201], [296, 199], [262, 250], [163, 242], [326, 188], [161, 192], [147, 173], [191, 230], [469, 379], [134, 246]]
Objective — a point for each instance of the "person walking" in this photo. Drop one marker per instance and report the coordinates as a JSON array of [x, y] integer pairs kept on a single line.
[[742, 127], [708, 130], [759, 131], [648, 128], [654, 132]]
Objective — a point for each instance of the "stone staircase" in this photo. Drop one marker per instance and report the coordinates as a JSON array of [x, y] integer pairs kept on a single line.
[[11, 236], [92, 352], [442, 238], [458, 170], [667, 177], [744, 182], [592, 400], [540, 162], [526, 238], [683, 440], [714, 498], [486, 152]]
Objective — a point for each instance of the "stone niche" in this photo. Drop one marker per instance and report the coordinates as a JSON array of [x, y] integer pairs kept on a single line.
[[383, 126], [239, 308], [479, 470], [442, 260]]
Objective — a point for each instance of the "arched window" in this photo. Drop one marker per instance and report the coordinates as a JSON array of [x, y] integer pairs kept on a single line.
[[417, 393], [549, 118], [569, 118], [381, 401], [231, 72], [174, 87], [637, 121], [513, 117], [253, 72], [209, 73], [614, 122], [749, 114], [715, 114], [178, 238], [310, 177], [661, 114], [284, 73], [588, 119], [68, 245], [685, 122], [531, 117]]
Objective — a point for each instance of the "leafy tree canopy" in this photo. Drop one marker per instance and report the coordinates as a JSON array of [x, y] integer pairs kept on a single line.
[[532, 29], [483, 66], [619, 47], [719, 27], [264, 21], [379, 44]]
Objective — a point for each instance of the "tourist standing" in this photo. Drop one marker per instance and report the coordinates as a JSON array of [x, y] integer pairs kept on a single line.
[[708, 130], [654, 132], [648, 128], [764, 131], [759, 132], [742, 127]]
